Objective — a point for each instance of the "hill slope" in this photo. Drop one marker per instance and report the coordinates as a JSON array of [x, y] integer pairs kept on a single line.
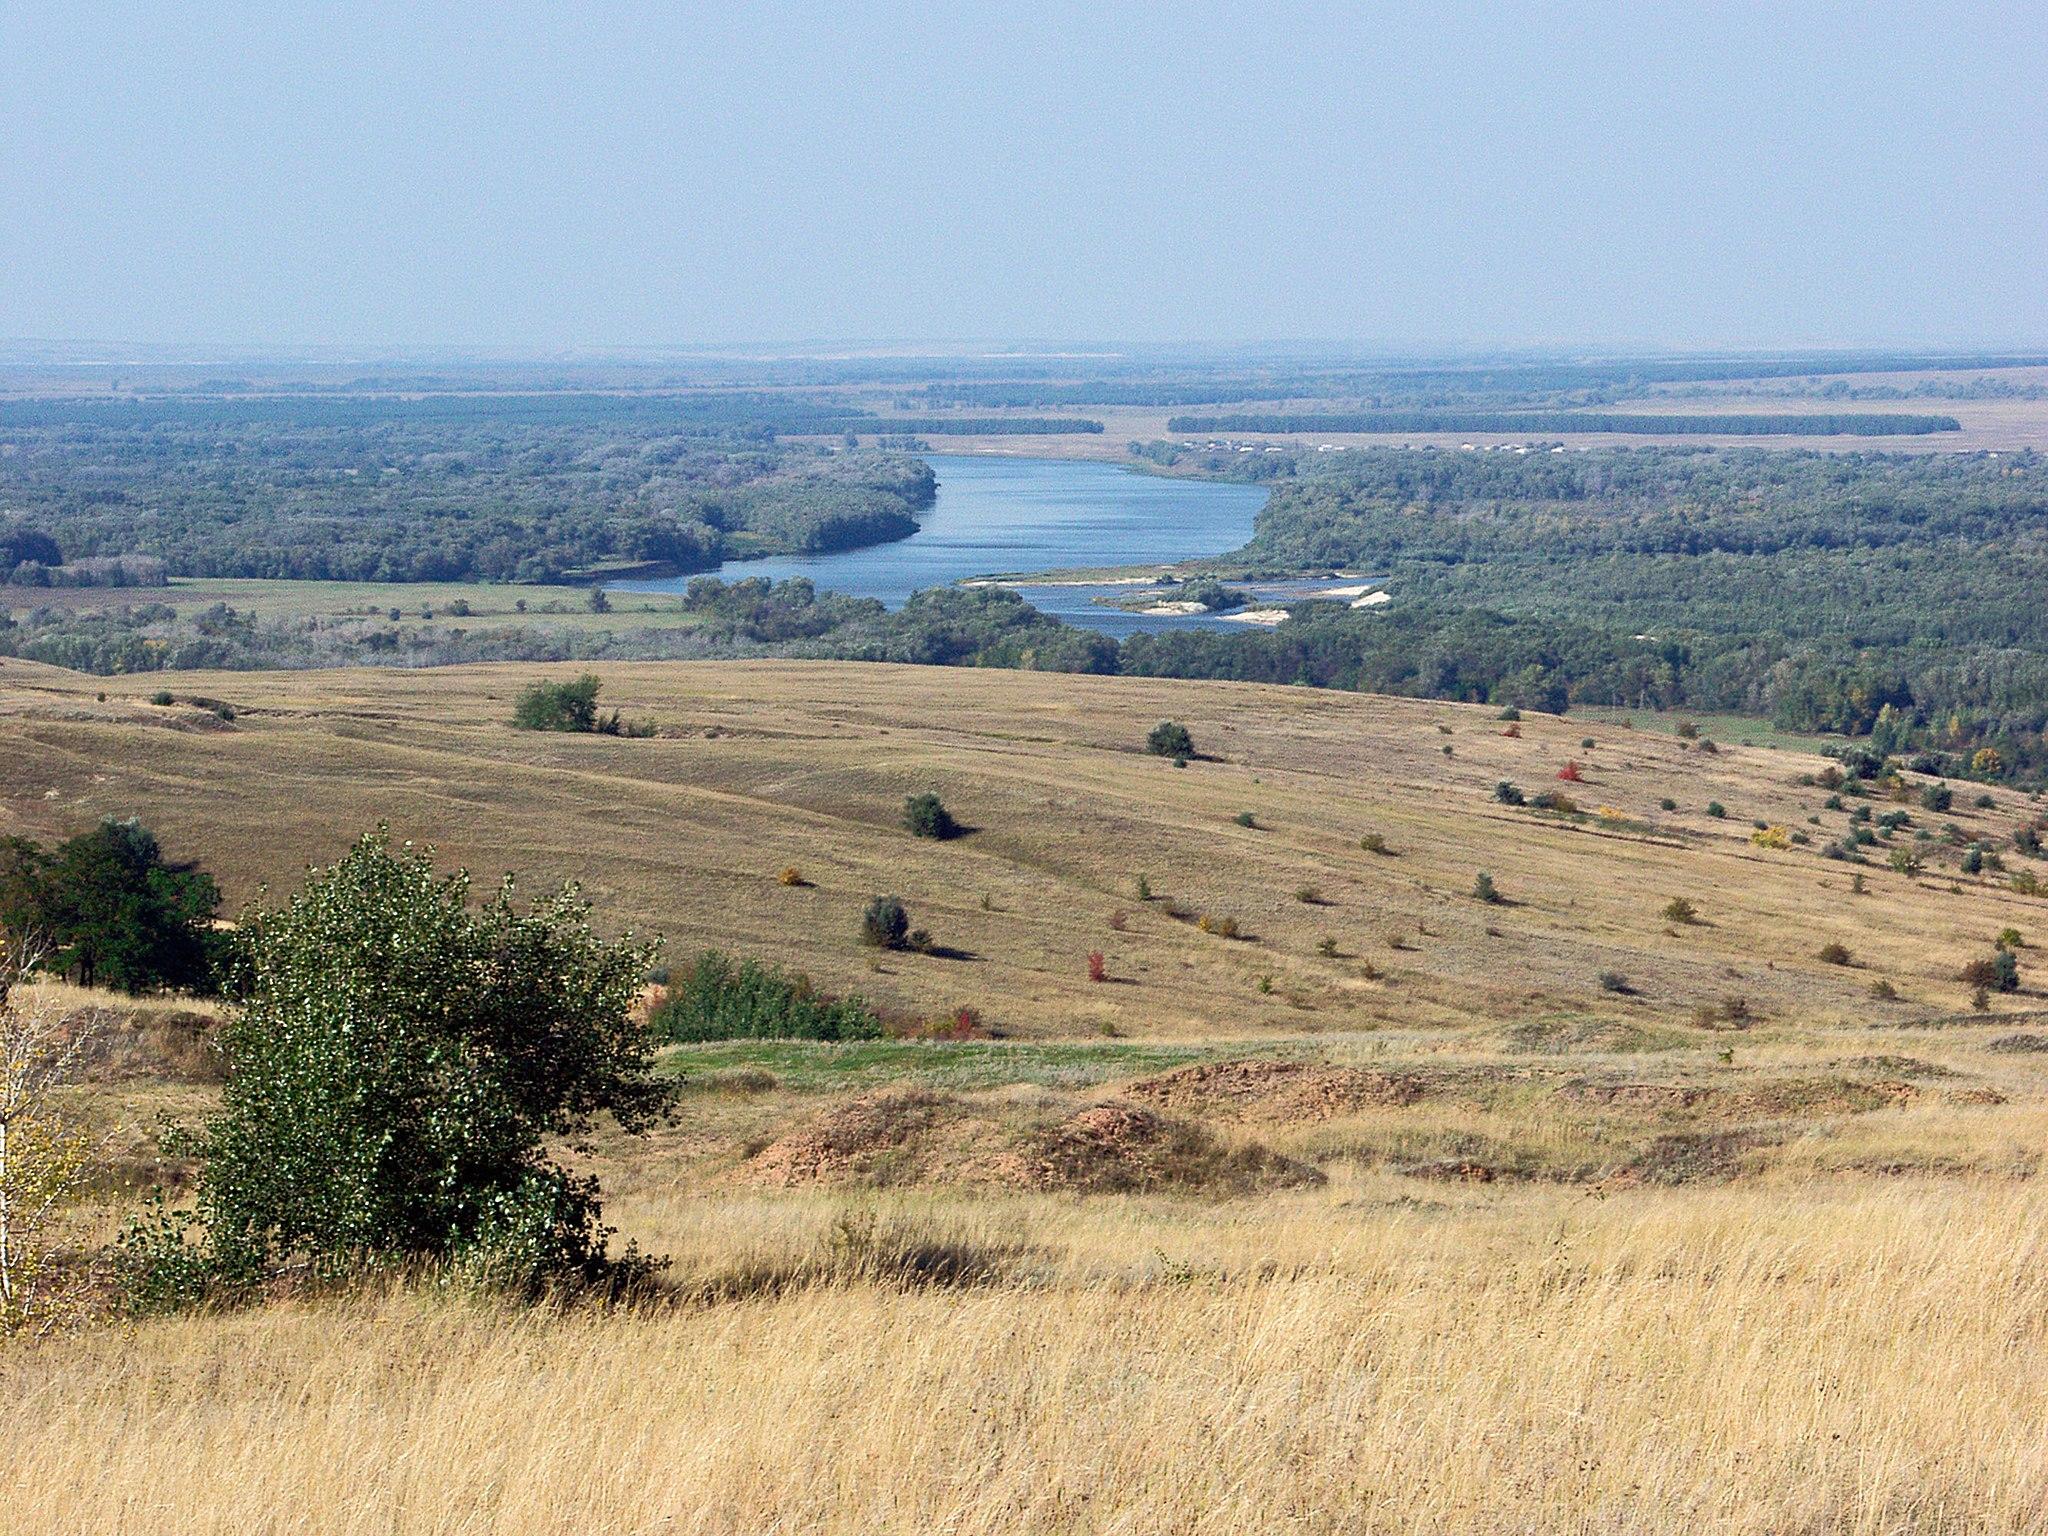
[[760, 766]]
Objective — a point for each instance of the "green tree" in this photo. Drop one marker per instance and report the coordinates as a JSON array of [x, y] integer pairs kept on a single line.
[[1169, 738], [926, 815], [558, 706], [111, 910], [400, 1066]]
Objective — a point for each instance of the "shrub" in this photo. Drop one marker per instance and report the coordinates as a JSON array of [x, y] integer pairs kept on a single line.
[[1906, 860], [162, 696], [1570, 772], [1376, 842], [1667, 804], [1222, 927], [1884, 991], [1986, 803], [885, 924], [1119, 920], [2009, 938], [1679, 910], [1144, 888], [1507, 794], [1556, 800], [558, 706], [1483, 890], [1687, 731], [1613, 981], [1308, 896], [1510, 713], [1326, 946], [1973, 860], [401, 1068], [925, 815], [1771, 837], [1098, 968], [1834, 954], [1999, 973], [1937, 797], [1716, 809], [791, 876], [1246, 819], [1987, 762], [719, 998], [1512, 732], [1585, 743], [1169, 738]]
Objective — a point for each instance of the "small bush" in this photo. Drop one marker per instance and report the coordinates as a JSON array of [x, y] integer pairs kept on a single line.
[[1222, 927], [1098, 968], [1510, 713], [1937, 797], [925, 815], [1771, 837], [1144, 888], [1513, 733], [1687, 731], [1973, 860], [1246, 819], [791, 876], [1326, 946], [1667, 804], [1884, 991], [2009, 938], [558, 706], [1119, 920], [1570, 773], [1483, 890], [162, 697], [1834, 954], [1507, 794], [1169, 738], [719, 998], [1999, 973], [1614, 981], [1679, 910], [1308, 896], [1375, 842], [885, 924], [1716, 809], [1585, 743]]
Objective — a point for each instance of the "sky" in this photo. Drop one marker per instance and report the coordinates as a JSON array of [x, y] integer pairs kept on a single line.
[[540, 177]]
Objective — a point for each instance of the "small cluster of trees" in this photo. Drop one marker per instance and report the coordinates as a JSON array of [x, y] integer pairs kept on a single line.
[[571, 706], [106, 908]]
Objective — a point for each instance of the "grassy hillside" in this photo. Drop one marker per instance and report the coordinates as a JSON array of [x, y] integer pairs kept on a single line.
[[1555, 1215], [765, 766]]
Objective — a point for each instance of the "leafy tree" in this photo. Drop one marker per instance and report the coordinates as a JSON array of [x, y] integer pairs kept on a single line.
[[400, 1066], [885, 924], [925, 815], [720, 999], [558, 706], [1483, 890], [1507, 793], [111, 910], [1169, 738]]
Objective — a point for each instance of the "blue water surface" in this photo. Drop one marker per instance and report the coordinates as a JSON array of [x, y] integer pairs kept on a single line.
[[996, 515]]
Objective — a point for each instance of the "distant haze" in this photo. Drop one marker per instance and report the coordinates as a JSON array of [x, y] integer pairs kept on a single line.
[[548, 176]]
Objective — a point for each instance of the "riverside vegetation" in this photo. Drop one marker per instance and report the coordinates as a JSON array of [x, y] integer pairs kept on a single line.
[[1445, 1223]]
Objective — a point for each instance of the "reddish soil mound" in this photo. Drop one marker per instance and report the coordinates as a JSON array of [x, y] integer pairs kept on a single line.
[[1119, 1147], [1280, 1090], [868, 1139]]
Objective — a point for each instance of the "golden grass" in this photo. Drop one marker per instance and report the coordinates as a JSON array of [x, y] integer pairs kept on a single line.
[[1602, 1270], [1838, 1360]]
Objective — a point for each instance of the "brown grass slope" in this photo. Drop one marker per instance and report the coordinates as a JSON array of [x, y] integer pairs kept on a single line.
[[766, 765]]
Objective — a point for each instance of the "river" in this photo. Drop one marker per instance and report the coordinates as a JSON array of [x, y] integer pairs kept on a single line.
[[996, 515]]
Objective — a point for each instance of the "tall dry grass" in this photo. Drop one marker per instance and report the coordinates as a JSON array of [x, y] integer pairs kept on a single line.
[[1819, 1358]]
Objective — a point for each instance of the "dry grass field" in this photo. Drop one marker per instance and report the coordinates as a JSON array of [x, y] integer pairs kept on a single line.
[[1552, 1216]]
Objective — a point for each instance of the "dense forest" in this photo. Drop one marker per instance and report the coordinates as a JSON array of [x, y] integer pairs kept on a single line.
[[360, 490]]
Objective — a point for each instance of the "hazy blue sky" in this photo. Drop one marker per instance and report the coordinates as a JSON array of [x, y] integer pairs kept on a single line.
[[546, 175]]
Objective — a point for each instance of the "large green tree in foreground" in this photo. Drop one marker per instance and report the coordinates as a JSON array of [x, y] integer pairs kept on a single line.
[[399, 1070]]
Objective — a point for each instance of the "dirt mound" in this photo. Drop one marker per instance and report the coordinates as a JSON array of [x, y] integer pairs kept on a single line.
[[1654, 1097], [902, 1137], [1280, 1090], [872, 1139], [1116, 1148]]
